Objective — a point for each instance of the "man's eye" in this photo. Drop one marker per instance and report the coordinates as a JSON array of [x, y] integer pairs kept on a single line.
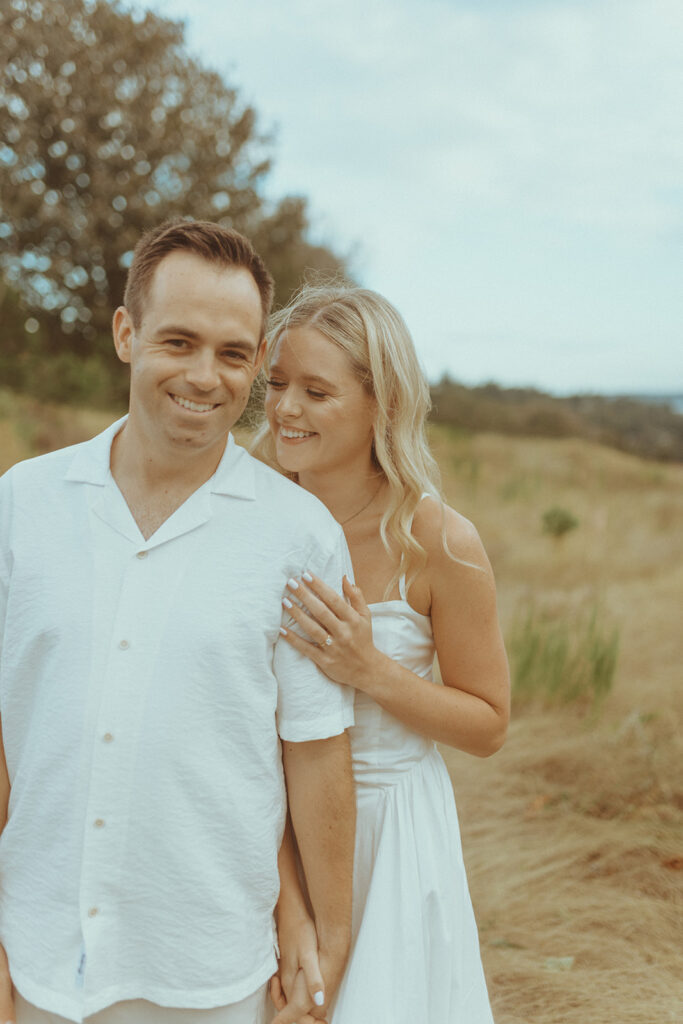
[[176, 342]]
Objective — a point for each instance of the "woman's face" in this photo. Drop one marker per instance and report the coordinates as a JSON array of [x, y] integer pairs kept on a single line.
[[319, 413]]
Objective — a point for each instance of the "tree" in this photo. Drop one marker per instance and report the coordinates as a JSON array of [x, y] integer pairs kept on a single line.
[[109, 128]]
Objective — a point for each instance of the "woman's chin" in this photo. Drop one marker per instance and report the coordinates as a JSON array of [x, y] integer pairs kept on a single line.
[[286, 463]]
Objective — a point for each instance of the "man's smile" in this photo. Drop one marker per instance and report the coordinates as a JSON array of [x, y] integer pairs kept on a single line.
[[186, 403]]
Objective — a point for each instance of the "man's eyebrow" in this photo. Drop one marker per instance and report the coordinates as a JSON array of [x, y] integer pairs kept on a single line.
[[187, 332]]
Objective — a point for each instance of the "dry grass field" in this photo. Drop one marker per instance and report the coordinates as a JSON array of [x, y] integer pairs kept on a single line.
[[573, 833]]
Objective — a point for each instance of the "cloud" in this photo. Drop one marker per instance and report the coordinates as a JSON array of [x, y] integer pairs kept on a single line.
[[562, 107], [522, 158]]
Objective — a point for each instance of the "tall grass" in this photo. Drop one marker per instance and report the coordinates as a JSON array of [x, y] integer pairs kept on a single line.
[[570, 659]]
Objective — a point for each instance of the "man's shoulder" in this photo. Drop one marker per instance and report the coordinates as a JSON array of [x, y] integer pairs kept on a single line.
[[49, 466], [287, 501], [86, 461]]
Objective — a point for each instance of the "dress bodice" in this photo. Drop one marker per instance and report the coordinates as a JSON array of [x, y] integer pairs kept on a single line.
[[381, 745]]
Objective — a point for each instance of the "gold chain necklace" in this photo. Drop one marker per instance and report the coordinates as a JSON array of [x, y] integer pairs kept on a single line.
[[367, 504]]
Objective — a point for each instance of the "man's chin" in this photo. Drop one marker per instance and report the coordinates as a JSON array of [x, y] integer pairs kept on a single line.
[[189, 439]]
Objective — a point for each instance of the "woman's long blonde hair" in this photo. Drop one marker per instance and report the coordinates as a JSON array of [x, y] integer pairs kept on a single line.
[[380, 349]]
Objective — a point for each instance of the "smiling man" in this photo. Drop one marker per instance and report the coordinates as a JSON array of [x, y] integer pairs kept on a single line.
[[148, 703]]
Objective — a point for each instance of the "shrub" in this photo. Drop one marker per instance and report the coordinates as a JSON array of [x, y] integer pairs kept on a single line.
[[563, 660], [557, 521]]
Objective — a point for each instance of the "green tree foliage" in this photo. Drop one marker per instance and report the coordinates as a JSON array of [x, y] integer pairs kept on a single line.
[[109, 128]]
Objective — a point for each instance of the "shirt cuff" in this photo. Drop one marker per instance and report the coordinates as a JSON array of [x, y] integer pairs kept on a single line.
[[317, 728]]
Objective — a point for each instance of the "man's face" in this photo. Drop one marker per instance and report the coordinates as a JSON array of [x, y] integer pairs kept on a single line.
[[195, 354]]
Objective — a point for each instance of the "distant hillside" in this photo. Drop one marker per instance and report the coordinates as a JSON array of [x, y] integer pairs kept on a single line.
[[643, 427]]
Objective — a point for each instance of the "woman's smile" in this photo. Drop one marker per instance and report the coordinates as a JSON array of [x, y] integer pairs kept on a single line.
[[314, 394], [289, 434]]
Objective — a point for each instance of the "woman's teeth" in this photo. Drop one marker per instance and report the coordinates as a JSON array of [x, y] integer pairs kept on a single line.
[[193, 406], [296, 433]]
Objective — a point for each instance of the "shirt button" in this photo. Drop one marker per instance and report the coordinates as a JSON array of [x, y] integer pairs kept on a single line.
[[141, 554], [107, 737], [93, 912], [124, 645], [99, 823]]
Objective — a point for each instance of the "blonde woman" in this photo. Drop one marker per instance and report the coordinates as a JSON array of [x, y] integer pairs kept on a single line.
[[346, 406]]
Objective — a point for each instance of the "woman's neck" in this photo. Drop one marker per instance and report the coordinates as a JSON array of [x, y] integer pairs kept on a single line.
[[346, 494]]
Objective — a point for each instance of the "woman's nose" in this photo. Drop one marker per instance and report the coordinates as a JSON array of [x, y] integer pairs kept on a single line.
[[288, 404]]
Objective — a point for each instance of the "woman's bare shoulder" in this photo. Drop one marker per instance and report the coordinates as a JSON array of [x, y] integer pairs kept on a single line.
[[447, 536]]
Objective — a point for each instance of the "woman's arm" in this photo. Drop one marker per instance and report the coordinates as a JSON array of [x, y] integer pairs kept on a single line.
[[471, 710]]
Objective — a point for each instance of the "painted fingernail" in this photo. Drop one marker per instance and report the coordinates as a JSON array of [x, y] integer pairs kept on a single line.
[[292, 584], [283, 630], [309, 579], [287, 603], [318, 999]]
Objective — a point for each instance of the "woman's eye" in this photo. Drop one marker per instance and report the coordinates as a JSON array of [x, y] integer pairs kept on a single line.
[[316, 394], [276, 384]]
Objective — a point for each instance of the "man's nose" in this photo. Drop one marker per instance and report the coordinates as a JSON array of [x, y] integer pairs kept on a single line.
[[202, 373]]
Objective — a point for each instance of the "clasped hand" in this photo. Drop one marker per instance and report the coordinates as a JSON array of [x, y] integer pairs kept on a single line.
[[338, 632], [300, 974]]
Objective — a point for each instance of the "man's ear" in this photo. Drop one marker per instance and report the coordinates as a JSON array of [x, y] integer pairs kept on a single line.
[[122, 329]]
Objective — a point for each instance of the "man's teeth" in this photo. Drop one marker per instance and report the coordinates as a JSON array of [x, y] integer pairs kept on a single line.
[[193, 406], [296, 433]]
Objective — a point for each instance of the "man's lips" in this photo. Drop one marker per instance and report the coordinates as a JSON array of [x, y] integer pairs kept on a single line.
[[187, 403]]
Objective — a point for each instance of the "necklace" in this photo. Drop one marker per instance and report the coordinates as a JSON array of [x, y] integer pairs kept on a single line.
[[367, 504]]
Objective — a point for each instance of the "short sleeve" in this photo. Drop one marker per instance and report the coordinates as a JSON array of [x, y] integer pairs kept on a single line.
[[311, 706]]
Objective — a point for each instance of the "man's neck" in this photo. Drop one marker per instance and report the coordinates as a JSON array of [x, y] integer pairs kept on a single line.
[[153, 483], [140, 459]]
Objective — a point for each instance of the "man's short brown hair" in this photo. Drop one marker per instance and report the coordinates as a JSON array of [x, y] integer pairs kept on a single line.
[[212, 242]]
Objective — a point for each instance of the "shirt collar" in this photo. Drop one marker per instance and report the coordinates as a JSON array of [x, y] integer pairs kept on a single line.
[[234, 475]]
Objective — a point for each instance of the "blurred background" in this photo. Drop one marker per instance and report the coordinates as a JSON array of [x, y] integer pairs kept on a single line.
[[508, 173]]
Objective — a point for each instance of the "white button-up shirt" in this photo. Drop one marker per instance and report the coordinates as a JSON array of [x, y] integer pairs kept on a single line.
[[143, 687]]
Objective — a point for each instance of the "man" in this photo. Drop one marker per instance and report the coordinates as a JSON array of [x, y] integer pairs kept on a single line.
[[144, 686]]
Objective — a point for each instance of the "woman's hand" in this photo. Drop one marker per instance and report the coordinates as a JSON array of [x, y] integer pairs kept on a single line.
[[298, 943], [298, 990], [338, 632], [297, 1008]]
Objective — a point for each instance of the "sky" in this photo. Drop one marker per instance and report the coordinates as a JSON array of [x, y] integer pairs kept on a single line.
[[509, 173]]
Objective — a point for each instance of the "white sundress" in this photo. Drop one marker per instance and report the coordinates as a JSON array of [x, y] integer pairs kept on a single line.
[[415, 948]]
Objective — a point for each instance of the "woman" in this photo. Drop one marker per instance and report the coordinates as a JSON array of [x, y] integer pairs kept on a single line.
[[346, 405]]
